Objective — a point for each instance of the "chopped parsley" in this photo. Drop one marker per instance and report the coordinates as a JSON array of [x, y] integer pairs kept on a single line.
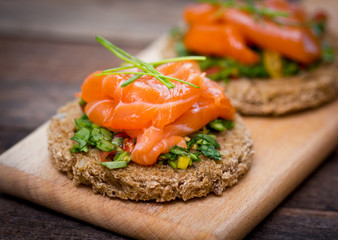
[[115, 165], [200, 144], [175, 155], [206, 144], [88, 134], [328, 55], [82, 102], [221, 125]]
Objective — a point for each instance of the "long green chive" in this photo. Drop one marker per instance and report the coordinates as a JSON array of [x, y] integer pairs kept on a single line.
[[148, 68], [249, 6], [131, 80], [177, 59], [155, 64], [135, 61], [117, 69], [143, 73]]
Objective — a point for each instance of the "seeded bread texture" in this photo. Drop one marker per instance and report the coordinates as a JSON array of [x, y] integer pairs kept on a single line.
[[276, 97], [285, 95], [159, 183]]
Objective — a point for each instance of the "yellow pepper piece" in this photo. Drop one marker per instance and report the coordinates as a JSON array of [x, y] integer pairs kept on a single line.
[[273, 63], [183, 162]]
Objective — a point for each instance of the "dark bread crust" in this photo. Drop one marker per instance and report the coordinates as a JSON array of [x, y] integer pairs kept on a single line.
[[286, 95], [160, 183], [289, 94]]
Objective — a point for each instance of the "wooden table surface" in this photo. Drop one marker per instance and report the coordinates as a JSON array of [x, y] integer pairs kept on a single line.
[[48, 47]]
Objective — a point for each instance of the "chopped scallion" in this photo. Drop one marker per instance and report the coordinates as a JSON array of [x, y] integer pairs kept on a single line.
[[115, 164]]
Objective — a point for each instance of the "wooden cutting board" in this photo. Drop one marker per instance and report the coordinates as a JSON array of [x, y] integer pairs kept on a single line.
[[287, 150]]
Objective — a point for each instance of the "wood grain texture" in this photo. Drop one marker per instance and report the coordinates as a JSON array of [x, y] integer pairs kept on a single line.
[[81, 20], [31, 79], [290, 223], [317, 194], [25, 60], [21, 218], [26, 220], [313, 205], [291, 149]]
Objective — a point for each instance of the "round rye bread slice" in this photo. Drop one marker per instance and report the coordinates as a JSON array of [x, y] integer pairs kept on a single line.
[[306, 90], [285, 95], [160, 183]]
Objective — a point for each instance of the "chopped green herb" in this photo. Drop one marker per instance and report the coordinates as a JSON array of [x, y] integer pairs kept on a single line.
[[81, 137], [176, 151], [101, 134], [254, 71], [198, 138], [123, 156], [250, 7], [230, 68], [318, 26], [180, 49], [179, 150], [221, 124], [77, 148], [290, 67], [201, 144], [83, 121], [328, 54], [89, 134], [115, 164], [118, 141], [206, 144], [209, 150], [172, 164], [167, 156], [177, 34], [82, 102], [105, 145], [195, 156]]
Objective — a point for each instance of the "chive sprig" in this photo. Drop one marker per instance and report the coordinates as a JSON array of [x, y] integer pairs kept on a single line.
[[249, 6], [147, 68]]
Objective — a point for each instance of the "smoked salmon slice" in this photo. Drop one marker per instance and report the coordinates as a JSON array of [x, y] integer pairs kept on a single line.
[[227, 31], [144, 102], [223, 40], [157, 117]]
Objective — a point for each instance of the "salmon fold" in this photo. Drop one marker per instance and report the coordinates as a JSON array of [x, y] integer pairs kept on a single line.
[[155, 116], [230, 32]]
